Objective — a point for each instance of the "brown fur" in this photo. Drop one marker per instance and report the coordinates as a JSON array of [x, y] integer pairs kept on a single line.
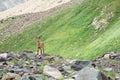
[[40, 46]]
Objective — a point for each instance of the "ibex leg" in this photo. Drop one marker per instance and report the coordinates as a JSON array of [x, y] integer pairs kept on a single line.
[[43, 50], [40, 52]]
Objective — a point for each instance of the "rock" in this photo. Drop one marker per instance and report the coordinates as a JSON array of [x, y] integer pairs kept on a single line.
[[117, 77], [69, 79], [1, 76], [39, 57], [11, 71], [53, 72], [34, 71], [1, 66], [117, 57], [30, 67], [21, 62], [5, 63], [12, 56], [108, 69], [36, 77], [11, 76], [70, 61], [112, 55], [58, 60], [32, 78], [68, 69], [51, 78], [63, 71], [49, 58], [3, 57], [106, 56], [29, 54], [2, 21], [88, 73], [100, 22], [78, 65], [24, 70], [21, 73], [25, 76], [14, 70], [26, 51]]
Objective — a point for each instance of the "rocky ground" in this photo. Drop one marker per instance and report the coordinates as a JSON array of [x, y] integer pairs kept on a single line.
[[109, 64], [29, 66]]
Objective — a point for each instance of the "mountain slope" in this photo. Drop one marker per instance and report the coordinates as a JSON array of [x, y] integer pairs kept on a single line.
[[16, 24], [85, 31], [31, 6]]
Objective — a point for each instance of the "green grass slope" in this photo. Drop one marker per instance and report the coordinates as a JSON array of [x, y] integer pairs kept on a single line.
[[70, 32]]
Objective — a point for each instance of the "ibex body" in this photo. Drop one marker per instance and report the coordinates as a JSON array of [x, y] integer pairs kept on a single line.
[[40, 46]]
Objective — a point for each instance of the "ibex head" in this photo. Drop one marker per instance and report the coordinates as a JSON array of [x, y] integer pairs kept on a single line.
[[38, 37]]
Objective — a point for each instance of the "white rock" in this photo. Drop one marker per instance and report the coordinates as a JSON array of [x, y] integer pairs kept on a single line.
[[4, 55], [53, 72], [70, 61], [106, 56], [117, 76], [108, 69]]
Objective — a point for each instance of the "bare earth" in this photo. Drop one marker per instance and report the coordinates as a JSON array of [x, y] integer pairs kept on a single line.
[[26, 17]]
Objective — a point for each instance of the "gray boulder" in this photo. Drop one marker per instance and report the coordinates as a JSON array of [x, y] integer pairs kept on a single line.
[[25, 76], [78, 65], [28, 54], [88, 73], [25, 70], [117, 57]]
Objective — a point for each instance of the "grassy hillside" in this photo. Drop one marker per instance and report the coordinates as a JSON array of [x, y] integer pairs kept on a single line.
[[71, 32]]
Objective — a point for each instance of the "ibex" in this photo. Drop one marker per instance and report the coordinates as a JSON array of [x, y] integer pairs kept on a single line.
[[40, 45]]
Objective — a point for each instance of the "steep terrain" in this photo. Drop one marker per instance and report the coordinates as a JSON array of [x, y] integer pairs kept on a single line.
[[31, 6], [84, 30], [15, 24]]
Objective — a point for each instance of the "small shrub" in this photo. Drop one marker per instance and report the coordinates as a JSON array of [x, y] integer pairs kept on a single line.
[[111, 74]]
